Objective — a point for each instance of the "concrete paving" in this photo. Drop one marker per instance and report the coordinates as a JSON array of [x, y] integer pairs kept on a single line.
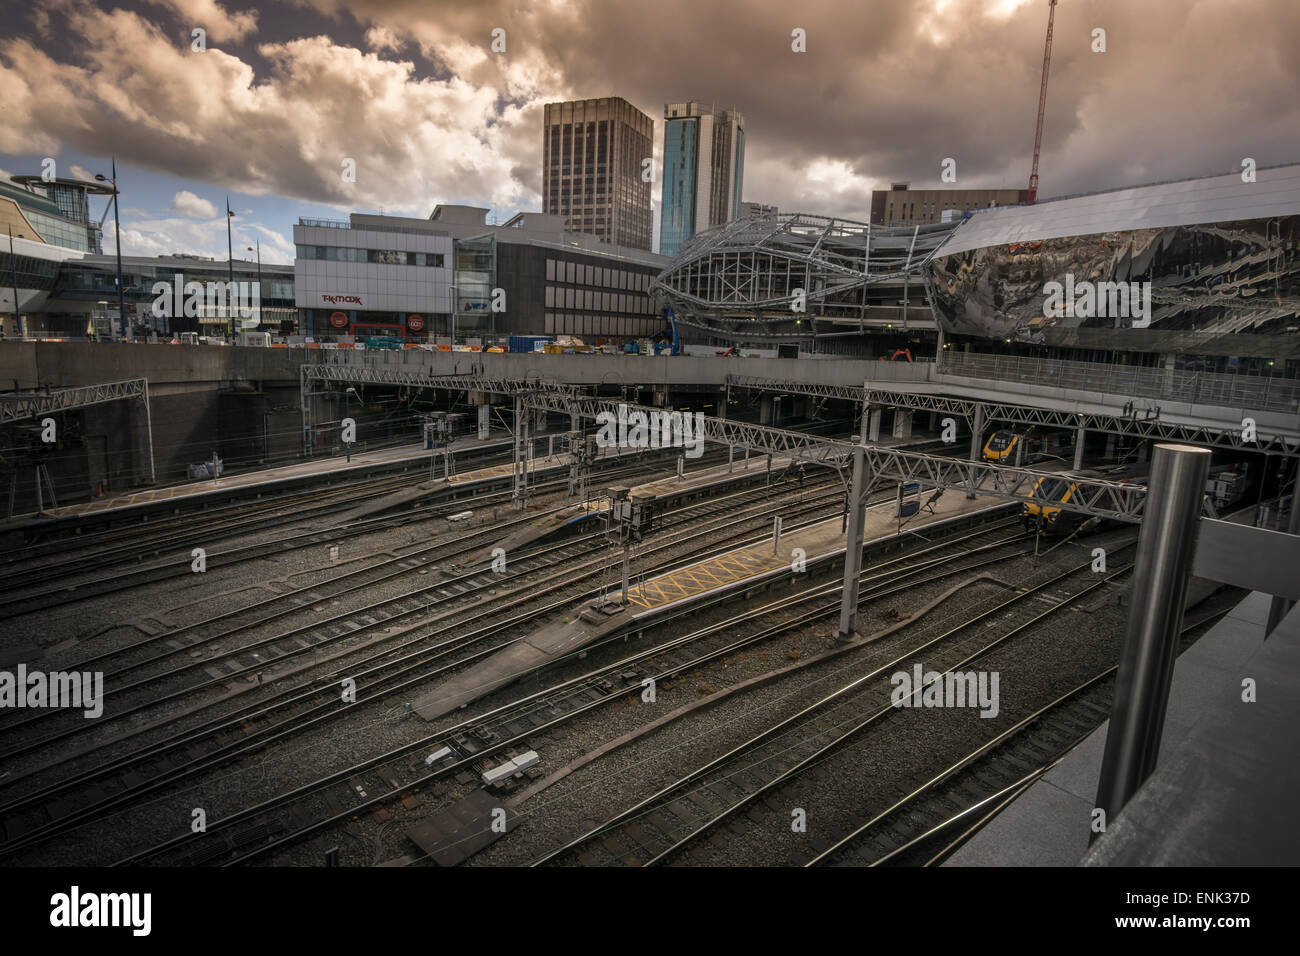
[[246, 480]]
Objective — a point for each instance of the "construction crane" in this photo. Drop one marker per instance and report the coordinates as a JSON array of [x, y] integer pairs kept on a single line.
[[1042, 104]]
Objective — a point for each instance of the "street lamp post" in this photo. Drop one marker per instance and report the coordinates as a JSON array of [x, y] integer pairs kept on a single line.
[[230, 267], [259, 280], [117, 241]]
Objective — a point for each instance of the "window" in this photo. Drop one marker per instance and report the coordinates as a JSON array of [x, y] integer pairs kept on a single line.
[[550, 296], [550, 270]]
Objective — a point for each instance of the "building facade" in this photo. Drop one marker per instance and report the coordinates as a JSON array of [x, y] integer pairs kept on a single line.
[[900, 205], [386, 279], [66, 294], [704, 171], [55, 211], [527, 276], [594, 153], [1200, 273], [758, 210]]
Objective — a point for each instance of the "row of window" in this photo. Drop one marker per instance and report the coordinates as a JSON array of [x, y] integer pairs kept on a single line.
[[568, 323], [930, 211], [597, 301], [577, 273], [389, 257]]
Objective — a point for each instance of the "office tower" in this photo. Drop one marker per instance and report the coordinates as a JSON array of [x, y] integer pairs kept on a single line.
[[593, 155], [704, 169]]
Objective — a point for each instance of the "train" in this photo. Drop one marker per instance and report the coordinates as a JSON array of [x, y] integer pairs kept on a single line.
[[1044, 512], [1225, 485], [1004, 445]]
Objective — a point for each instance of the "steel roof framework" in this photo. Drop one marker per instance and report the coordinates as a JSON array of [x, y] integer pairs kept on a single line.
[[1132, 425], [1104, 499], [15, 408], [748, 267]]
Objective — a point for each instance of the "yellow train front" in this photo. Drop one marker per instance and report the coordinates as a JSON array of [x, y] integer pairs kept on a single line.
[[1044, 510], [1001, 446]]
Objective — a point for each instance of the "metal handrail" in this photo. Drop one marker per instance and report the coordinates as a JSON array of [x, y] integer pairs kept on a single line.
[[1265, 393]]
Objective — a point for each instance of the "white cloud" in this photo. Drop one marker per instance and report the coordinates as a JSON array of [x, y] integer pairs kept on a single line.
[[188, 204], [415, 140], [212, 17], [381, 38]]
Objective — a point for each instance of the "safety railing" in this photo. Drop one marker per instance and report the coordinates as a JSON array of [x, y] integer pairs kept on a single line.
[[1259, 392]]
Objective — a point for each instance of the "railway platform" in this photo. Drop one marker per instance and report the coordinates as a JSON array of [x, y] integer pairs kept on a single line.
[[733, 570], [277, 478]]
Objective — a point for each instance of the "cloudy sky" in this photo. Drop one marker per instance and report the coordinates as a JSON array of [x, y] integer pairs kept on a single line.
[[285, 92]]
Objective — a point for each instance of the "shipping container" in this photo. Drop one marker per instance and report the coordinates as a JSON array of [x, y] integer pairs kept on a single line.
[[527, 343]]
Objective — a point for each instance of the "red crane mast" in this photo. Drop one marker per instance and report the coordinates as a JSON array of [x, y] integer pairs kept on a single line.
[[1042, 104]]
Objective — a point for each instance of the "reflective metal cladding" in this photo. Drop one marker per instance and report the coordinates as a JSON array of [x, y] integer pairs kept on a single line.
[[1190, 272]]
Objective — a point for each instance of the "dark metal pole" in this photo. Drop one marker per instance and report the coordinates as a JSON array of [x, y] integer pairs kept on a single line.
[[117, 241], [230, 267], [854, 533], [13, 265], [976, 446], [258, 243], [1166, 546]]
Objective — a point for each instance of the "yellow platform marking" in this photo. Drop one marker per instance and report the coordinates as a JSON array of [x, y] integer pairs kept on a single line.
[[708, 575]]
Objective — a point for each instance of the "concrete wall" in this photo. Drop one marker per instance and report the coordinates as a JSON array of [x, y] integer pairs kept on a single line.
[[194, 411], [62, 364]]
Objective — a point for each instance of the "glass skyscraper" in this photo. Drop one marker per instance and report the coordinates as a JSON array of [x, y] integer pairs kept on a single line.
[[704, 171]]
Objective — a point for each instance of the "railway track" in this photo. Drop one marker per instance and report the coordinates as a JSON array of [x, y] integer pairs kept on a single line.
[[277, 822], [665, 824], [929, 823], [112, 781], [55, 589], [249, 659]]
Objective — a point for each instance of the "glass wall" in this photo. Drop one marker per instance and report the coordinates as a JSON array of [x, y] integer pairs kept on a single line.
[[59, 232], [677, 218], [390, 257], [474, 278]]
